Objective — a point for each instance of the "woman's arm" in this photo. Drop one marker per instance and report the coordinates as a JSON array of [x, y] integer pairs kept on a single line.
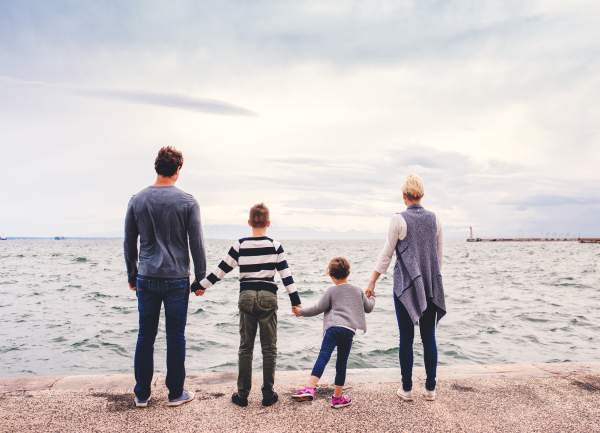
[[371, 287], [396, 231]]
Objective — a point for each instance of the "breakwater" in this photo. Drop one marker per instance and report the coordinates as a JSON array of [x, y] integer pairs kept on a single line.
[[580, 240]]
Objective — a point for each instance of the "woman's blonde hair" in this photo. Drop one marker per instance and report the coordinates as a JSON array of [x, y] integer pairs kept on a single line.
[[413, 186]]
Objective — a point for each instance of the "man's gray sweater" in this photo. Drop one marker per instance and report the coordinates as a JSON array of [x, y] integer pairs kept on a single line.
[[164, 217], [343, 305]]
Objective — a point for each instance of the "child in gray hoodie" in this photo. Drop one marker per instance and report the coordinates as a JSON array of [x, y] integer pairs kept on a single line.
[[344, 306]]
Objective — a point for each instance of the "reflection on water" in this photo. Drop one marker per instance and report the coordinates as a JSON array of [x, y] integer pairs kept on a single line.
[[66, 307]]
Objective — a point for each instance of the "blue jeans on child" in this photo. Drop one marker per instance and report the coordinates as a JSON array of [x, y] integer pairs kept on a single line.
[[407, 336], [151, 294], [342, 338]]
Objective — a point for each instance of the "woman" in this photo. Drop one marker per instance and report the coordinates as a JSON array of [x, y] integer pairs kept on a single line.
[[416, 236]]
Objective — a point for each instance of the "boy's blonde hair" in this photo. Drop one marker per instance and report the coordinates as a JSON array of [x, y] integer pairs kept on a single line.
[[413, 186], [339, 268], [259, 215]]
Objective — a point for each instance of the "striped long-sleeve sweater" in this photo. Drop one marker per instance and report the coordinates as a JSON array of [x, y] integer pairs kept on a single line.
[[259, 259]]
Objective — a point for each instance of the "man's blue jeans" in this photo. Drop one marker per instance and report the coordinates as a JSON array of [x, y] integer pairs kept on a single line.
[[407, 336], [342, 338], [151, 294]]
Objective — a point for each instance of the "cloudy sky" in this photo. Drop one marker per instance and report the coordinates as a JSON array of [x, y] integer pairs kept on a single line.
[[318, 108]]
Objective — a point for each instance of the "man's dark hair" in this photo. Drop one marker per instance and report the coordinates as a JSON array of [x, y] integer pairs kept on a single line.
[[168, 161], [339, 268], [259, 215]]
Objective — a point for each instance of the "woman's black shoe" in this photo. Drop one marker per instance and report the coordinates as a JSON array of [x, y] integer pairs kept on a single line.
[[242, 402], [271, 400]]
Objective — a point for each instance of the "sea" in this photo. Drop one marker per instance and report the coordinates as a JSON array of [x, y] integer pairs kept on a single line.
[[65, 307]]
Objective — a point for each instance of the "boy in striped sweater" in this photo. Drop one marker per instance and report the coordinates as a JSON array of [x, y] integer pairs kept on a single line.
[[259, 259]]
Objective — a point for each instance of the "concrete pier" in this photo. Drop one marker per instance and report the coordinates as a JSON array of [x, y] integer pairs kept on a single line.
[[473, 398], [580, 240]]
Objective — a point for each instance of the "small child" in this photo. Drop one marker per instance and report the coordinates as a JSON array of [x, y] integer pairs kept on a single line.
[[344, 306], [259, 259]]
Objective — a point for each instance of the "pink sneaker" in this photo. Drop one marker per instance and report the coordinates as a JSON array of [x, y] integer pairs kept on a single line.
[[307, 394], [341, 401]]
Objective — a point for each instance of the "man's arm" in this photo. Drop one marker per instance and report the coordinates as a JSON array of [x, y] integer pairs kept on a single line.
[[229, 263], [286, 276], [130, 246], [196, 239]]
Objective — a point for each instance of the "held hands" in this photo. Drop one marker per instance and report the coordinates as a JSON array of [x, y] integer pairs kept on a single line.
[[370, 290], [198, 292], [371, 287], [296, 310]]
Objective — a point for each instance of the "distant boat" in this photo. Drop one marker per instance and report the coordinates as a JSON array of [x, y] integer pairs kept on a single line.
[[2, 238], [59, 238]]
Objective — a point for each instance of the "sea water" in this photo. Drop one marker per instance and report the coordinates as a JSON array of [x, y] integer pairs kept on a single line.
[[65, 307]]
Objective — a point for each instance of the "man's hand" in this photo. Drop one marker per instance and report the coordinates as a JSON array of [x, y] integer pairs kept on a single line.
[[132, 286], [296, 310]]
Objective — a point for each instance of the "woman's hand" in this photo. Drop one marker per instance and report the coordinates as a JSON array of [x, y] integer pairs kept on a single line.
[[371, 287], [296, 310], [370, 290]]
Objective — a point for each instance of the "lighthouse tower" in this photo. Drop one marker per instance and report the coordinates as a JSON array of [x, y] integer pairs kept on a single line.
[[471, 239]]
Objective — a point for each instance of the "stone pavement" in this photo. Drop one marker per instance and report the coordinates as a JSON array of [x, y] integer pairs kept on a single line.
[[494, 398]]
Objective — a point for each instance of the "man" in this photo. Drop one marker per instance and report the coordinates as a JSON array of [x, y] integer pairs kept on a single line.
[[164, 217]]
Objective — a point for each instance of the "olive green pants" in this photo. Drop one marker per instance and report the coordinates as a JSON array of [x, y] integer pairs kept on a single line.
[[257, 309]]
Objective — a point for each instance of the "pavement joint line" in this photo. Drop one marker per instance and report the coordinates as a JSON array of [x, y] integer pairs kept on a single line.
[[551, 372], [493, 368], [55, 382]]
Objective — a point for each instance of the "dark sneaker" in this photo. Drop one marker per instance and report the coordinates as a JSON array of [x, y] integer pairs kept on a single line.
[[141, 403], [185, 397], [242, 402], [271, 400]]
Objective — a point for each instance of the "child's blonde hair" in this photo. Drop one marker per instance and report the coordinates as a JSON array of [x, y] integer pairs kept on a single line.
[[413, 186]]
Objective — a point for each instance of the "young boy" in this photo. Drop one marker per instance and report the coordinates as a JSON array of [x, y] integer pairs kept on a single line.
[[259, 258]]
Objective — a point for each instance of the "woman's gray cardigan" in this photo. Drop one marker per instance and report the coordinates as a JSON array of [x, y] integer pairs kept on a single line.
[[343, 305]]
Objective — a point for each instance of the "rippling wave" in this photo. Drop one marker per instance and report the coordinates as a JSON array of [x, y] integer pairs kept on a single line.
[[66, 307]]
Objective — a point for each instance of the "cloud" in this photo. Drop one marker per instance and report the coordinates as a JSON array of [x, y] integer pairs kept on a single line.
[[494, 104], [495, 197], [552, 200], [201, 105]]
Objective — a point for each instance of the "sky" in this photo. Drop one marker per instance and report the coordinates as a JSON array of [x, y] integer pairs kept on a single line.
[[320, 109]]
